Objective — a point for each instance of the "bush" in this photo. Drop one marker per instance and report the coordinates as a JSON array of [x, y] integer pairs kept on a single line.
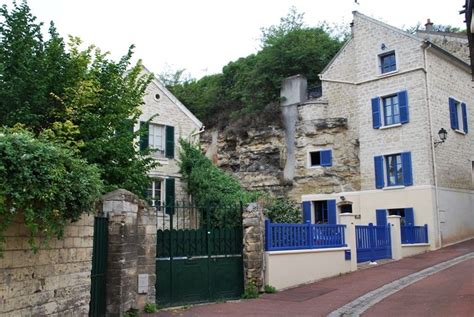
[[45, 183], [150, 308], [269, 289], [283, 210], [250, 291]]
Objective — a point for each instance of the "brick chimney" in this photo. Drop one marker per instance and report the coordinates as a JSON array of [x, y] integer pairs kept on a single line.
[[429, 26]]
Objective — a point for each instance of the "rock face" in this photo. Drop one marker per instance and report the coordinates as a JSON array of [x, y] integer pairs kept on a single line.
[[258, 159]]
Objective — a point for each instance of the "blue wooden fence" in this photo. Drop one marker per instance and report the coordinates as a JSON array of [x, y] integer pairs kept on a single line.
[[414, 234], [373, 242], [294, 236]]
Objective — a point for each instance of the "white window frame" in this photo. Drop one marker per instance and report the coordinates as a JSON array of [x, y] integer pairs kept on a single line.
[[459, 115], [152, 136], [152, 199]]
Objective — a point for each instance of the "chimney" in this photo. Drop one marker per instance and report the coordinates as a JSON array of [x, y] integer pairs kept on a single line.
[[429, 26]]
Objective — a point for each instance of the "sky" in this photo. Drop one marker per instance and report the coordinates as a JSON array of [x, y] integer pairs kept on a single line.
[[202, 36]]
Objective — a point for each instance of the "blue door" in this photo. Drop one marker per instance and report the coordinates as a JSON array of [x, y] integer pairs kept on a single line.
[[373, 243]]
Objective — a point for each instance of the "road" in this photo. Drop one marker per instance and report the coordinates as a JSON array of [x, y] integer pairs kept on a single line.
[[439, 283]]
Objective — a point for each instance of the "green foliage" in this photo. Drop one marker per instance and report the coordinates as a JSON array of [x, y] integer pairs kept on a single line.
[[250, 291], [45, 183], [206, 183], [282, 210], [150, 308], [79, 98], [246, 86], [269, 289]]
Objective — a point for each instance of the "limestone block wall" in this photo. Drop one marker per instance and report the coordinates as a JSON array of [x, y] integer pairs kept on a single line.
[[253, 252], [55, 281], [447, 80]]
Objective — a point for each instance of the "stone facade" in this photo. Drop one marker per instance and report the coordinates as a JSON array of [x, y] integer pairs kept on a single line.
[[55, 281], [166, 110], [253, 252]]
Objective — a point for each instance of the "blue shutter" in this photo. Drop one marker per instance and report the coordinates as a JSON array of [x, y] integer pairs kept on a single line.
[[378, 163], [453, 115], [332, 212], [406, 169], [464, 117], [381, 215], [403, 105], [306, 211], [409, 217], [326, 158], [376, 112]]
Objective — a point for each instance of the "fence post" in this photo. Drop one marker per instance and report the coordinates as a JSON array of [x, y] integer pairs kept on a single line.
[[268, 235], [310, 234], [348, 220], [426, 233], [396, 236]]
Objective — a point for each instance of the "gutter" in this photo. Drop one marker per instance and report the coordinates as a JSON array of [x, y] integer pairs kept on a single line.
[[425, 46]]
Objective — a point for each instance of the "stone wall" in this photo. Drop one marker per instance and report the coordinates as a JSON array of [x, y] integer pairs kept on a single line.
[[253, 252], [55, 281], [131, 252]]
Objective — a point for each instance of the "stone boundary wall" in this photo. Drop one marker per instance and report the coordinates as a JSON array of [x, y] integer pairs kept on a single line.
[[55, 281]]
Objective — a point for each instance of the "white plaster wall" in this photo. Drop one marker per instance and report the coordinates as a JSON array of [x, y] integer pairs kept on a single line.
[[364, 203], [414, 249], [285, 269], [456, 215]]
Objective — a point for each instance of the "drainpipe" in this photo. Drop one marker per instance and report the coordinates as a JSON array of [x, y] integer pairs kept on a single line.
[[426, 45]]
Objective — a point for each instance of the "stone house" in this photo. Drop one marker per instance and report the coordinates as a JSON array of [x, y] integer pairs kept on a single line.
[[390, 93], [170, 121]]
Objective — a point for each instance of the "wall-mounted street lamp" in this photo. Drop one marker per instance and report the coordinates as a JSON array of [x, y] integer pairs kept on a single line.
[[443, 135]]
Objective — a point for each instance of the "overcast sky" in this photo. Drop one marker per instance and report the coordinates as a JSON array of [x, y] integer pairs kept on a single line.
[[204, 35]]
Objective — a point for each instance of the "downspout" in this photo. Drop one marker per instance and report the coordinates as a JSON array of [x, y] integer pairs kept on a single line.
[[426, 45]]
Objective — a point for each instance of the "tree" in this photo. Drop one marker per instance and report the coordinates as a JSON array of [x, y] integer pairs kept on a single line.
[[76, 97], [250, 84]]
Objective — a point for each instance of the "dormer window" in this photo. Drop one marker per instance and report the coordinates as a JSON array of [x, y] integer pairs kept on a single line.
[[387, 62]]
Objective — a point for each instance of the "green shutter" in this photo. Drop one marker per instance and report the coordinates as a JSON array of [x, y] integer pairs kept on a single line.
[[144, 128], [169, 195], [169, 152]]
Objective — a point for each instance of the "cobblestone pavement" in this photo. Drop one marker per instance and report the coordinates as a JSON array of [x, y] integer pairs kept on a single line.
[[421, 285]]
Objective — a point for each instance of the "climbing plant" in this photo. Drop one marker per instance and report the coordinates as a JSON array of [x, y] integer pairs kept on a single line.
[[45, 183]]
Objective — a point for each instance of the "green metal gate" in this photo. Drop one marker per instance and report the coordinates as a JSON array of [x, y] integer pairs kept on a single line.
[[199, 255], [99, 267]]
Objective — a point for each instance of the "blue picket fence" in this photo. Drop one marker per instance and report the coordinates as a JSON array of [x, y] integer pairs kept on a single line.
[[414, 234], [294, 236], [373, 242]]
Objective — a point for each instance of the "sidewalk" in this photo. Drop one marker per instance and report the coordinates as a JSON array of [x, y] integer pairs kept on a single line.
[[323, 297]]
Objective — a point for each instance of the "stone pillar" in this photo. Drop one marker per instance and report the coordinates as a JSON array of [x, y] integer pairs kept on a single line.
[[131, 252], [348, 219], [253, 242], [395, 236]]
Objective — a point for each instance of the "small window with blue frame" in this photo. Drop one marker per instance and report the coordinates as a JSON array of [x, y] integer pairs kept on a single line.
[[388, 62], [394, 170], [391, 110]]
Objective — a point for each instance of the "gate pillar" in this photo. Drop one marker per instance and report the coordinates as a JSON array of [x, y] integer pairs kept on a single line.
[[348, 219], [396, 238], [131, 252], [253, 253]]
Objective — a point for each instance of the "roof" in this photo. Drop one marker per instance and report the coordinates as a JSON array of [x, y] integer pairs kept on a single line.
[[175, 100]]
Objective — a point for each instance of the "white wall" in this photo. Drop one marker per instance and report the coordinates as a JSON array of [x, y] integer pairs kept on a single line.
[[285, 269], [456, 215]]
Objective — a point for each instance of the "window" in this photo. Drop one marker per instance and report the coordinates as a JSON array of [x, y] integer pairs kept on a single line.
[[320, 212], [393, 109], [154, 192], [320, 158], [398, 212], [387, 62], [458, 115], [393, 170], [346, 209], [156, 140]]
